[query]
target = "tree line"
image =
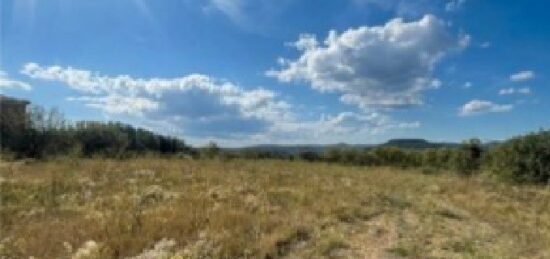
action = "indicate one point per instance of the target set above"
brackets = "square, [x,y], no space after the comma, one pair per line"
[48,133]
[521,159]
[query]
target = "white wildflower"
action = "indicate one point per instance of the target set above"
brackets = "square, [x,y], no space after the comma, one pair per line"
[90,250]
[163,249]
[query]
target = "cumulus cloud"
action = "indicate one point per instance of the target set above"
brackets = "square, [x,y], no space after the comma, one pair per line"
[350,122]
[116,104]
[379,66]
[195,102]
[6,82]
[201,107]
[522,76]
[476,107]
[343,124]
[509,91]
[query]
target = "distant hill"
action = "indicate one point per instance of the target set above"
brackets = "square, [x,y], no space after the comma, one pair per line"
[295,149]
[416,144]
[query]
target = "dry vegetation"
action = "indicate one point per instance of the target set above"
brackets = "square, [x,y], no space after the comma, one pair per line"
[176,208]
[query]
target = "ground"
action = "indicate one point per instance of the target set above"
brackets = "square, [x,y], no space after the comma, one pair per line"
[181,208]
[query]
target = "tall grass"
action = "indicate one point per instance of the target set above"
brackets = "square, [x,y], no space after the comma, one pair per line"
[101,208]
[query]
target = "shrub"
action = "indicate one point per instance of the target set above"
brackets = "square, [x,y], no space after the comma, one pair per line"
[393,156]
[467,159]
[350,156]
[523,159]
[308,156]
[332,155]
[368,158]
[210,151]
[437,158]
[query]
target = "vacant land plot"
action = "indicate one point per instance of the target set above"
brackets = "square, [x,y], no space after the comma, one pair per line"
[174,208]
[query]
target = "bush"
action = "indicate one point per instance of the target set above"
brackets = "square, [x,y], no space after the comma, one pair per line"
[523,159]
[438,158]
[467,159]
[393,156]
[332,155]
[211,150]
[308,156]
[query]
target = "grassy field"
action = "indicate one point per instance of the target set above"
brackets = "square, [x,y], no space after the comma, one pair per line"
[175,208]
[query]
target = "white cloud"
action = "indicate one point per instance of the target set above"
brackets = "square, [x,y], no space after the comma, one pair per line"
[412,8]
[522,76]
[197,102]
[232,8]
[250,15]
[454,5]
[524,90]
[379,66]
[116,104]
[401,8]
[6,82]
[467,85]
[506,91]
[485,45]
[509,91]
[201,107]
[476,107]
[343,124]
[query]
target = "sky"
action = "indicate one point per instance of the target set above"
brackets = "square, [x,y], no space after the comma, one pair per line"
[246,72]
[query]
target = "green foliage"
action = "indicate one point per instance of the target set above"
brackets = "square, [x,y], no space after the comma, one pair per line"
[398,157]
[49,134]
[523,159]
[467,159]
[210,151]
[308,156]
[98,138]
[254,154]
[43,133]
[332,155]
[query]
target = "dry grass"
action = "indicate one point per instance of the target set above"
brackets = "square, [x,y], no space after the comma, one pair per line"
[170,208]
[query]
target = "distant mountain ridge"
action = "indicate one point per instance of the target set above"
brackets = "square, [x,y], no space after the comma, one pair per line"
[295,149]
[417,144]
[317,148]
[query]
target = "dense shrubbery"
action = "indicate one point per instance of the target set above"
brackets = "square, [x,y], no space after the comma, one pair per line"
[465,159]
[468,157]
[49,134]
[522,159]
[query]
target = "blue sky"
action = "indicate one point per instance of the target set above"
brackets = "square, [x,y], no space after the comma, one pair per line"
[244,72]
